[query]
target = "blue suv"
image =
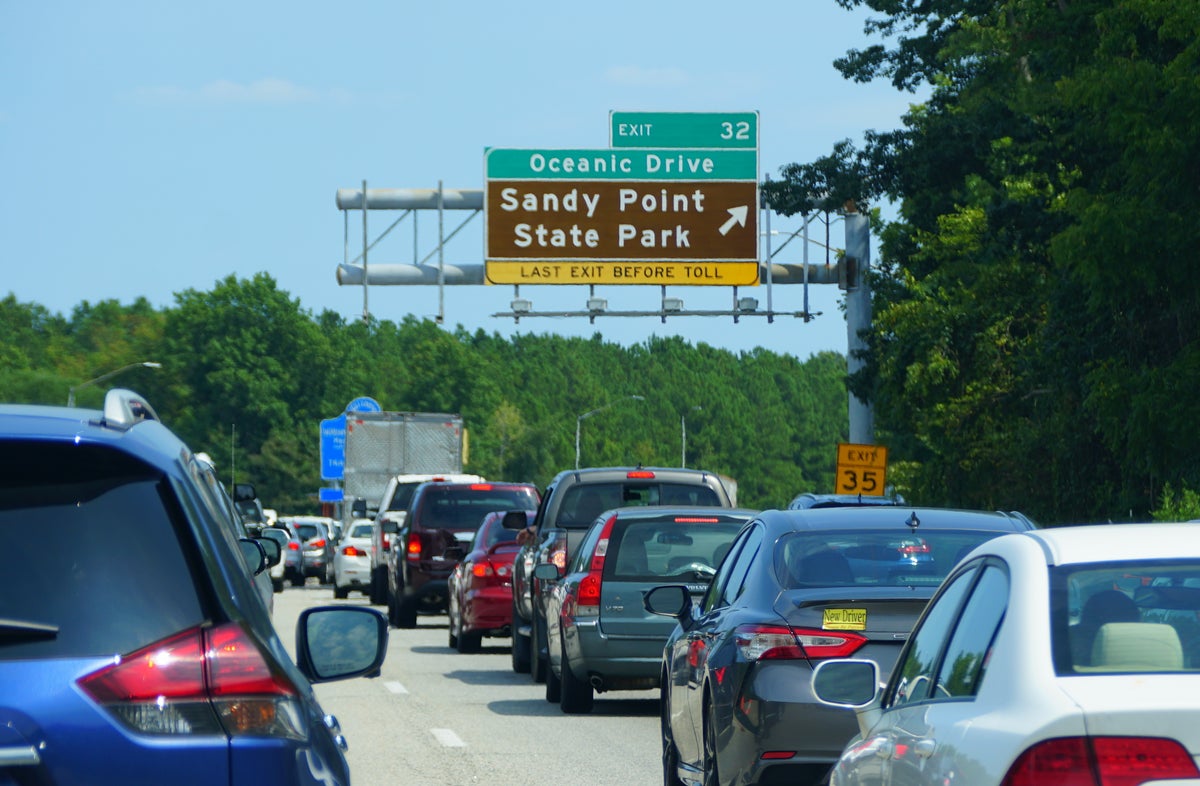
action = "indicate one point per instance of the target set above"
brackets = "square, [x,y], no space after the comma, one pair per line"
[135,646]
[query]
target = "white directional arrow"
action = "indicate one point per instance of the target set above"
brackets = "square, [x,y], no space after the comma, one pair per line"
[737,215]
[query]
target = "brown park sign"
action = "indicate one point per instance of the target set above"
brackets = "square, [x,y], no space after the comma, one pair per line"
[605,217]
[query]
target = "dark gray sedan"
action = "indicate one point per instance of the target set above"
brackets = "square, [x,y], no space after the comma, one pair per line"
[797,587]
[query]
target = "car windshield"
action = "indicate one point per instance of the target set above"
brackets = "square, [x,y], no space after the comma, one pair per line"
[361,531]
[1126,617]
[666,548]
[872,557]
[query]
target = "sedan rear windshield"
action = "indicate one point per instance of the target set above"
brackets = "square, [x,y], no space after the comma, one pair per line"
[872,557]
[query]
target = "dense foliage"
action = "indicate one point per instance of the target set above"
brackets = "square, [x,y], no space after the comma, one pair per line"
[248,374]
[1036,310]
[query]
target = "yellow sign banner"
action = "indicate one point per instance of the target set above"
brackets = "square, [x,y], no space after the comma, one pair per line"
[730,274]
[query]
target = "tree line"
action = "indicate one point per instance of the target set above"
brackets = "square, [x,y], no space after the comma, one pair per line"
[247,374]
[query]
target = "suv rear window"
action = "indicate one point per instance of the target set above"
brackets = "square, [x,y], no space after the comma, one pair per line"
[582,503]
[463,507]
[88,536]
[652,550]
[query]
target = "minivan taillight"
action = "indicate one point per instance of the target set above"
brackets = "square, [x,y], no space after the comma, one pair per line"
[1111,761]
[201,681]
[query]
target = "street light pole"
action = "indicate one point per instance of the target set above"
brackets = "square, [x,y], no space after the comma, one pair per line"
[102,377]
[579,420]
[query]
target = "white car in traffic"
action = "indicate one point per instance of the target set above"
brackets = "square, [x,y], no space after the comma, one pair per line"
[1065,655]
[352,559]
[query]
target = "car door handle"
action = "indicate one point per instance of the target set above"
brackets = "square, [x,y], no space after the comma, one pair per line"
[924,748]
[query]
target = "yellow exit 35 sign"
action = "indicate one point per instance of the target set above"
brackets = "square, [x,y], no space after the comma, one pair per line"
[861,469]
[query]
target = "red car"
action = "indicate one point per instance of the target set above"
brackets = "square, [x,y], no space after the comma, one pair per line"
[480,587]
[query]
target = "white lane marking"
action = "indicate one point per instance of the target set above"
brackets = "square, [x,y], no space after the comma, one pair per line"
[448,738]
[395,687]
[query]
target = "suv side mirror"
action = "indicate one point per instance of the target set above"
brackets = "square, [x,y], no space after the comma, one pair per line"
[243,492]
[359,508]
[272,548]
[515,519]
[255,554]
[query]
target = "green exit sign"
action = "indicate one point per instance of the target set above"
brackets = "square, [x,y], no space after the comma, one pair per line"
[738,130]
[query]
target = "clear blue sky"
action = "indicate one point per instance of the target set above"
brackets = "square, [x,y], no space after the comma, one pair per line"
[149,147]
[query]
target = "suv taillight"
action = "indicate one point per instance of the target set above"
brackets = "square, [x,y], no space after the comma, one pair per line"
[1111,761]
[780,642]
[201,681]
[413,552]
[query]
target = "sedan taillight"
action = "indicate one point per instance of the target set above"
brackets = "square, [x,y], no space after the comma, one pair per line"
[1101,761]
[780,642]
[201,681]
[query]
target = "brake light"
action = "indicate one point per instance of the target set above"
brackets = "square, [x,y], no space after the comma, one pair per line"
[696,520]
[201,681]
[1101,761]
[319,543]
[640,474]
[588,601]
[483,569]
[481,487]
[910,549]
[293,545]
[414,547]
[353,551]
[780,642]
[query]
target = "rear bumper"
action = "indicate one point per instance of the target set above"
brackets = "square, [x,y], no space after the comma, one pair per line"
[487,609]
[776,711]
[619,663]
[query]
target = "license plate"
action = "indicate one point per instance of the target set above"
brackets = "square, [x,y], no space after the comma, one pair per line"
[844,619]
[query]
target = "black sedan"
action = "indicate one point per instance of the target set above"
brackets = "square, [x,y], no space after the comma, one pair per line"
[797,586]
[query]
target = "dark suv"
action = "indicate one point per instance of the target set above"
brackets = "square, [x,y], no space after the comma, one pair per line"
[570,503]
[137,649]
[438,528]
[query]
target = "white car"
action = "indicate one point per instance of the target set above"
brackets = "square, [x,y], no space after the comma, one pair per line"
[352,559]
[1065,656]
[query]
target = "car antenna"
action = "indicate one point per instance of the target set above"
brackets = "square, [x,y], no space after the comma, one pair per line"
[913,522]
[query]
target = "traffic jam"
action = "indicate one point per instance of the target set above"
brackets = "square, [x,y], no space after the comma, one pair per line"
[839,639]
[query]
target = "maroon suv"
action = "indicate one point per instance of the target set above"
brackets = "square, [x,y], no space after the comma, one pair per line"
[441,521]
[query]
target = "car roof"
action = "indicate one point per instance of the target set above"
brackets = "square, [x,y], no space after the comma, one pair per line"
[614,473]
[813,500]
[898,516]
[665,511]
[113,426]
[1117,542]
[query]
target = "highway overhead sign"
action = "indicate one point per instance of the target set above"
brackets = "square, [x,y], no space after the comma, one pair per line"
[611,216]
[725,130]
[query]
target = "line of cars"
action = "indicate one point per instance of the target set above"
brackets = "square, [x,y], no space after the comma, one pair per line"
[845,641]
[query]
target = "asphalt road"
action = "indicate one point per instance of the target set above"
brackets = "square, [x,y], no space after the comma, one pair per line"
[438,717]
